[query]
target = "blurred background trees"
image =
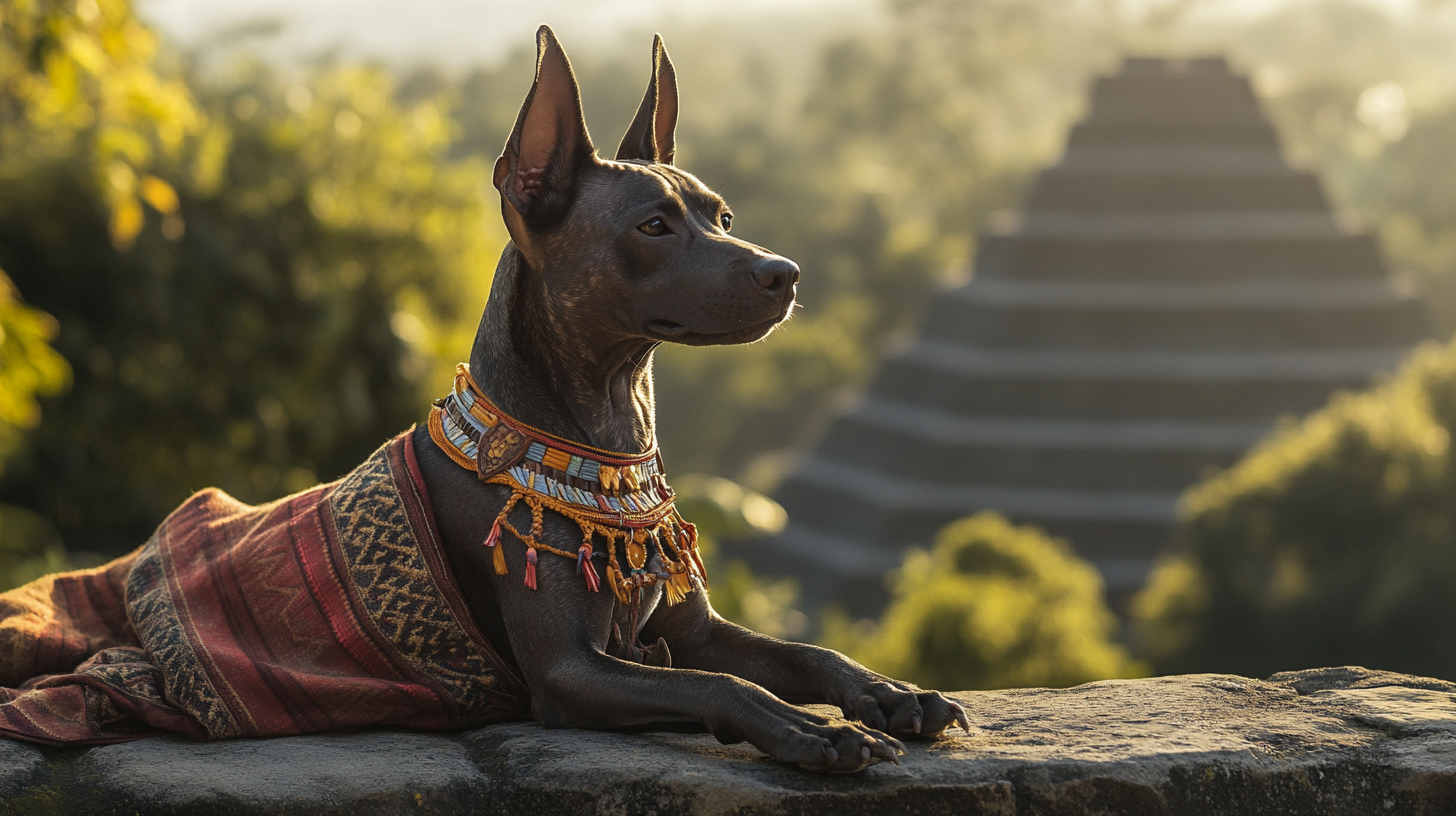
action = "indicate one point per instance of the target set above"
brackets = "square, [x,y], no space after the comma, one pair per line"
[1330,544]
[29,368]
[259,272]
[991,605]
[267,305]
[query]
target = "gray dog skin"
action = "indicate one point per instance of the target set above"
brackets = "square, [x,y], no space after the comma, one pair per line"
[608,259]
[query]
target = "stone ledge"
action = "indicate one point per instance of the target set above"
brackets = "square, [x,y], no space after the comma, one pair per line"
[1325,741]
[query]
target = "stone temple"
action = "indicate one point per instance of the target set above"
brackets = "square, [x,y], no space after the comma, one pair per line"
[1171,289]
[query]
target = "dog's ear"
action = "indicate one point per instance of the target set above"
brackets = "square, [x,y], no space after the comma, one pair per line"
[537,172]
[650,138]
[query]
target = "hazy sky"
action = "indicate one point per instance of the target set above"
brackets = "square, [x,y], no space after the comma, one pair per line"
[457,32]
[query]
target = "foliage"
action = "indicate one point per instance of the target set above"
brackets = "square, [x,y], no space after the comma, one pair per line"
[1376,123]
[30,547]
[29,367]
[77,79]
[723,510]
[1329,544]
[300,318]
[992,605]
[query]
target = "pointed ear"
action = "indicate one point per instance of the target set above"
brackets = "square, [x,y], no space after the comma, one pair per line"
[650,138]
[537,172]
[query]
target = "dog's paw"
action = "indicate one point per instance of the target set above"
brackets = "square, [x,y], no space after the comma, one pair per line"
[904,710]
[836,747]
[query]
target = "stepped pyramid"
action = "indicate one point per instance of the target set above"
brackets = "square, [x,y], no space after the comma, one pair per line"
[1172,288]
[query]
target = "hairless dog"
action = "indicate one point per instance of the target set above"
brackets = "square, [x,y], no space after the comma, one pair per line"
[608,259]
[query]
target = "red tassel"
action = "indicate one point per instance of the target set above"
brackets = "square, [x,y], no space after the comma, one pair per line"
[531,568]
[584,566]
[592,582]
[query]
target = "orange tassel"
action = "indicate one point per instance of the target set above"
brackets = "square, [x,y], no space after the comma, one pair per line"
[498,554]
[531,568]
[677,588]
[614,577]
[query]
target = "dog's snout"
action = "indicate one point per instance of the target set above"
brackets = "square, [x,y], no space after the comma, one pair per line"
[776,275]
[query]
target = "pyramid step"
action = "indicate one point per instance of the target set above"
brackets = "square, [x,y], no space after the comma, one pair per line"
[1298,295]
[1197,227]
[1177,159]
[916,443]
[1190,366]
[1223,94]
[930,426]
[1220,134]
[852,500]
[1069,190]
[994,384]
[1099,325]
[1070,258]
[1199,112]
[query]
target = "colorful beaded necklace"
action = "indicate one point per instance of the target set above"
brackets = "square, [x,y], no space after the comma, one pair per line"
[607,494]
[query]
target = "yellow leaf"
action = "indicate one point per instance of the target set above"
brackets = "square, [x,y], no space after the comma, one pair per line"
[126,223]
[121,177]
[159,194]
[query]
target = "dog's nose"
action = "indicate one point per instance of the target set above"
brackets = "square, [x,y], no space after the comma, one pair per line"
[776,275]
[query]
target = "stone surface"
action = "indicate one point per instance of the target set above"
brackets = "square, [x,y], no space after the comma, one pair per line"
[1328,742]
[1170,289]
[20,764]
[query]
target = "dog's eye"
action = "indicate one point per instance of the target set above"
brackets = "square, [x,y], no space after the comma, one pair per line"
[654,227]
[727,221]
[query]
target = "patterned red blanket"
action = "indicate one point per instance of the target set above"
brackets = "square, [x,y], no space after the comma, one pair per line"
[329,609]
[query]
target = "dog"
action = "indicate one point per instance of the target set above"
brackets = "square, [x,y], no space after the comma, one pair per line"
[393,597]
[608,259]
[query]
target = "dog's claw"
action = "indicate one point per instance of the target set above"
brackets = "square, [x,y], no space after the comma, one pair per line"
[915,722]
[864,751]
[831,755]
[960,717]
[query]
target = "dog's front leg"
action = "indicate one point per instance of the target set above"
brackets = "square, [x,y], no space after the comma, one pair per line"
[799,672]
[559,634]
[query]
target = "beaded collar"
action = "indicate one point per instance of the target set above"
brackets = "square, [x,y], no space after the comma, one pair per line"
[611,496]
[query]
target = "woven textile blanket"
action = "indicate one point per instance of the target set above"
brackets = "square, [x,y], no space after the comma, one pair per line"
[332,608]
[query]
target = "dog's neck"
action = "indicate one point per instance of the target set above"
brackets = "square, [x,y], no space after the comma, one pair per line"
[538,366]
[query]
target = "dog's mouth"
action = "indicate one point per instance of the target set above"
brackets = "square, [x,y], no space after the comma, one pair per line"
[666,329]
[672,331]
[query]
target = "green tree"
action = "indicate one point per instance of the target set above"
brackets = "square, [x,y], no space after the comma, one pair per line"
[77,79]
[991,605]
[29,368]
[306,261]
[330,259]
[1331,543]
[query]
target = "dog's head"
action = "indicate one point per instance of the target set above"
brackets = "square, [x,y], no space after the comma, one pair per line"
[634,246]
